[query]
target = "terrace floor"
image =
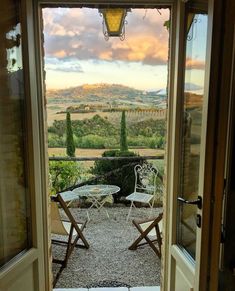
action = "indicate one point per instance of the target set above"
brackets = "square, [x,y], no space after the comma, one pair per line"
[108,262]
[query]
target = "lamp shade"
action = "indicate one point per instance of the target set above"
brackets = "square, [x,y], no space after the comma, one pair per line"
[114,20]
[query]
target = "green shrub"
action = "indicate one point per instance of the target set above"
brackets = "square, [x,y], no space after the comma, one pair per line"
[137,141]
[58,127]
[63,174]
[111,142]
[152,143]
[124,178]
[92,141]
[160,142]
[55,141]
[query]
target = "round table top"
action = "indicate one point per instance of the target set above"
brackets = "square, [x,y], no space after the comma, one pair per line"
[96,190]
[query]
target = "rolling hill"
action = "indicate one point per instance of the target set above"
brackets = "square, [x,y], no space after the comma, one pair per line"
[101,93]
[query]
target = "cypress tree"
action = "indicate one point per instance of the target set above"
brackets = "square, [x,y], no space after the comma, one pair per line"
[69,138]
[123,138]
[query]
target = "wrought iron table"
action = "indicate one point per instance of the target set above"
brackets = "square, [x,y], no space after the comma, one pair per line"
[96,193]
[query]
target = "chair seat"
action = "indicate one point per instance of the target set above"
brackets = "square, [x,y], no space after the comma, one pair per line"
[140,197]
[67,226]
[152,232]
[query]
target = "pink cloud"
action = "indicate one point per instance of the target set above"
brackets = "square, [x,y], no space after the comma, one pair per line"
[194,64]
[78,33]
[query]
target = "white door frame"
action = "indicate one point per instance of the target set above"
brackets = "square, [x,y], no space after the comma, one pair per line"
[175,74]
[40,254]
[73,3]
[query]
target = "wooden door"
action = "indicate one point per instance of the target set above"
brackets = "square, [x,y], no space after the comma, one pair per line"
[188,142]
[23,203]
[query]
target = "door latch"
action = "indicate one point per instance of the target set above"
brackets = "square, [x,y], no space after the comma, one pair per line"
[199,220]
[197,202]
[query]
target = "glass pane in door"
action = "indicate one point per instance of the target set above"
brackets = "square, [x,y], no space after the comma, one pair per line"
[14,234]
[196,39]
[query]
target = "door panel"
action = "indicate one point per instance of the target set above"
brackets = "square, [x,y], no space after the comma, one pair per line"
[192,148]
[14,199]
[24,282]
[23,232]
[187,145]
[181,281]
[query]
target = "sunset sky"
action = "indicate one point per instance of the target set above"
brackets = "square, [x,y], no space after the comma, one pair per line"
[76,52]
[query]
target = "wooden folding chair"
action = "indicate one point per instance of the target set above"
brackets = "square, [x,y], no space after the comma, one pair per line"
[69,228]
[150,231]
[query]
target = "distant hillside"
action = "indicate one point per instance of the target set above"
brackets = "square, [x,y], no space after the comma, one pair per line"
[101,93]
[193,100]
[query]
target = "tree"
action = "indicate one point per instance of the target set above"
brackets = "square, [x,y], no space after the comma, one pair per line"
[69,138]
[123,139]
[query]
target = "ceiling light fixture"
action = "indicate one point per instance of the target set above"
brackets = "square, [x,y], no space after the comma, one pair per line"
[114,22]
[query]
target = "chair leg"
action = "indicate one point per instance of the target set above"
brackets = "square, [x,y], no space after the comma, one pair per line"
[58,276]
[88,216]
[136,244]
[144,236]
[69,246]
[129,213]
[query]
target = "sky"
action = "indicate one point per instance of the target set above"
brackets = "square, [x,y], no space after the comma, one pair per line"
[196,55]
[76,52]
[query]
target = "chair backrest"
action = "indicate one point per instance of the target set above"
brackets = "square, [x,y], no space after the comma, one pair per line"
[145,178]
[67,196]
[57,226]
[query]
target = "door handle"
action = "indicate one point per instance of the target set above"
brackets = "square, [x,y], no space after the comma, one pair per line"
[197,202]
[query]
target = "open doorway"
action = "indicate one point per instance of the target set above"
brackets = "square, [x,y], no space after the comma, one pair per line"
[114,95]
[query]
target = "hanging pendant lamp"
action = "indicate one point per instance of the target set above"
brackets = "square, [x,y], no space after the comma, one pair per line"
[114,22]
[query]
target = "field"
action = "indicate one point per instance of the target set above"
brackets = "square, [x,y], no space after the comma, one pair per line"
[98,152]
[88,153]
[52,115]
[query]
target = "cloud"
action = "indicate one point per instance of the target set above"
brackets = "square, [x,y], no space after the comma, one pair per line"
[64,66]
[194,64]
[77,34]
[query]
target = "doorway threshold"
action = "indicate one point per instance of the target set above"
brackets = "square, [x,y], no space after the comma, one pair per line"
[149,288]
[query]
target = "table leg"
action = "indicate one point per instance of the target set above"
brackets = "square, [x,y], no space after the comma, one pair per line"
[88,216]
[98,205]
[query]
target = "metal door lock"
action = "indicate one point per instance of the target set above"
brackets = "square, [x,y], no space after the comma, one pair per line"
[199,220]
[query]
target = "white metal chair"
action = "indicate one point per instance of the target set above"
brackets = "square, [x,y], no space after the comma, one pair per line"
[145,186]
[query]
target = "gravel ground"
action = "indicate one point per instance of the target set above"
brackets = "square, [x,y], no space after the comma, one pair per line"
[108,258]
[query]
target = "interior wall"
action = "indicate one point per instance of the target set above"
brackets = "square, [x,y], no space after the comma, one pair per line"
[227,272]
